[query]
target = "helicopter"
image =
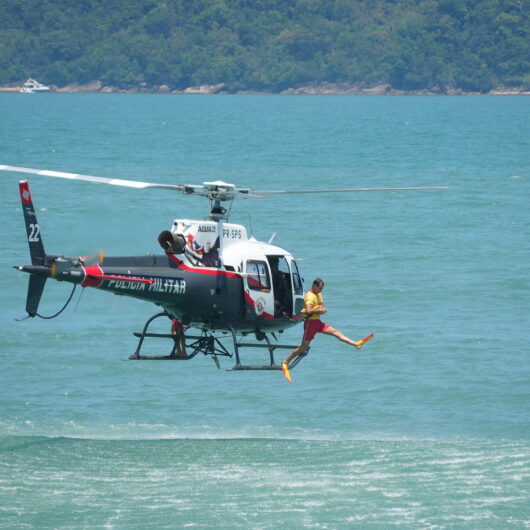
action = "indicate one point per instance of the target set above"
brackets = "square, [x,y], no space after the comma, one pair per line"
[212,277]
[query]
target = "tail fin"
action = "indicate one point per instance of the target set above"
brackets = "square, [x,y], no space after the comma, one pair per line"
[35,289]
[36,248]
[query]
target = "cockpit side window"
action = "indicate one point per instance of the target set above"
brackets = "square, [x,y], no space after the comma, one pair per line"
[258,276]
[297,280]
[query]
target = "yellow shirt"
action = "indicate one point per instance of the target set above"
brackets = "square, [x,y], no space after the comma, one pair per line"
[313,300]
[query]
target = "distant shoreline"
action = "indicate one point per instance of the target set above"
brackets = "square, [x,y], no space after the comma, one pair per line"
[97,87]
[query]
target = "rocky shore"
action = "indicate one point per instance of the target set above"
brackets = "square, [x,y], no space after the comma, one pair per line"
[324,88]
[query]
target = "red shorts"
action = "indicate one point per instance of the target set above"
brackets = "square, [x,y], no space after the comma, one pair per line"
[312,327]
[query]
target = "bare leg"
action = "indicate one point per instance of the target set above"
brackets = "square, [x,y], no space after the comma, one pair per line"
[178,351]
[297,351]
[182,342]
[336,333]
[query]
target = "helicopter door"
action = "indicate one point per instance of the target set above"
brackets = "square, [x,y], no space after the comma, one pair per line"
[282,288]
[298,289]
[259,287]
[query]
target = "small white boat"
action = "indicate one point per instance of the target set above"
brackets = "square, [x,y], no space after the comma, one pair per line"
[31,87]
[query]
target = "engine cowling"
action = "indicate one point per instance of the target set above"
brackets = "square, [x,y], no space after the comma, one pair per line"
[172,243]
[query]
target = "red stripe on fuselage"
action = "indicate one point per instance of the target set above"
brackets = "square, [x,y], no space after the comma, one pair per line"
[212,272]
[123,278]
[252,304]
[91,273]
[248,299]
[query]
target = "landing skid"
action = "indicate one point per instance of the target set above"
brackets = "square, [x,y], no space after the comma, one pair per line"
[208,344]
[271,347]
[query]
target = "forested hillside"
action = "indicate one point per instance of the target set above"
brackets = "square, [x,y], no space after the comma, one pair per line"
[268,45]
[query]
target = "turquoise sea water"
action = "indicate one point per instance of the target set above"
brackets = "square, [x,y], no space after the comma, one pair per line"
[428,426]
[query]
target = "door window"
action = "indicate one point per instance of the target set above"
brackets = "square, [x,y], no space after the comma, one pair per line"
[258,278]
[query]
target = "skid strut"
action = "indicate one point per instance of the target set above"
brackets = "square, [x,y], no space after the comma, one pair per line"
[143,334]
[270,346]
[208,344]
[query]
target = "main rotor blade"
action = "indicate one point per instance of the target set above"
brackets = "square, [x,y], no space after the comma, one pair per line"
[279,192]
[200,190]
[90,178]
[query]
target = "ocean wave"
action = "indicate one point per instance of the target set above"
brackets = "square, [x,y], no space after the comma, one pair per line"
[158,431]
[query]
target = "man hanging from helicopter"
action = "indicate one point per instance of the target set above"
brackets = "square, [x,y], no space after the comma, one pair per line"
[313,309]
[177,330]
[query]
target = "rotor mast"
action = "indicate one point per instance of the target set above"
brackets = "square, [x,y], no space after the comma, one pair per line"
[217,193]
